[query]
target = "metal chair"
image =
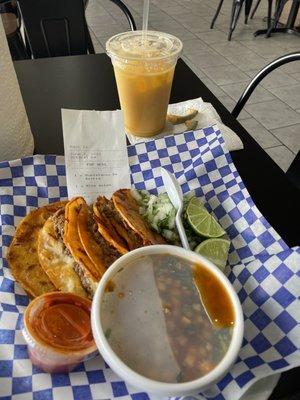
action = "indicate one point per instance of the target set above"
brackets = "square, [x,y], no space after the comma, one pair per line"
[255,9]
[11,24]
[58,27]
[272,23]
[235,13]
[289,28]
[125,10]
[269,17]
[127,13]
[293,172]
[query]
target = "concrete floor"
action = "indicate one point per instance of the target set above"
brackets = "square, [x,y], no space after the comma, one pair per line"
[272,115]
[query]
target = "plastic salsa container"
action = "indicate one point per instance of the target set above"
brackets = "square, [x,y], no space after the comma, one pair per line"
[57,329]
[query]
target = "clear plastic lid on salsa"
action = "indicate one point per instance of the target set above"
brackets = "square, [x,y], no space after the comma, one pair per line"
[57,329]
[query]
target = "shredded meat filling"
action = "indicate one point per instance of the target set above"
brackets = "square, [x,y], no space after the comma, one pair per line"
[86,283]
[132,240]
[110,254]
[59,221]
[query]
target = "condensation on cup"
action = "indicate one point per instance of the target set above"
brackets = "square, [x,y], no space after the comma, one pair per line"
[144,69]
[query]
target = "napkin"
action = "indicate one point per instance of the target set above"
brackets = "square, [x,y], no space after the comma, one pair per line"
[262,268]
[207,116]
[16,139]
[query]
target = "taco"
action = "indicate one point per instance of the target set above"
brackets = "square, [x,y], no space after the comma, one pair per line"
[22,255]
[56,260]
[84,267]
[111,227]
[96,247]
[128,209]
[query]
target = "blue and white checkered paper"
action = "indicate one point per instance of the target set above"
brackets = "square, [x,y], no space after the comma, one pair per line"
[263,270]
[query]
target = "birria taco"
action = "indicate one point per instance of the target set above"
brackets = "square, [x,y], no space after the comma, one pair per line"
[91,261]
[22,254]
[56,260]
[121,224]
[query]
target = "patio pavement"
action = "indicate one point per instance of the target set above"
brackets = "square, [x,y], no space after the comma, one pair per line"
[272,115]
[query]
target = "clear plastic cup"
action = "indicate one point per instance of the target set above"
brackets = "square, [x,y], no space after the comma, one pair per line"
[144,68]
[58,332]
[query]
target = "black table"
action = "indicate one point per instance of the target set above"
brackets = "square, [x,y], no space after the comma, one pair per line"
[87,82]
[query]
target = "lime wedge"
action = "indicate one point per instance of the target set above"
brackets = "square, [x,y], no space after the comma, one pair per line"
[201,221]
[215,250]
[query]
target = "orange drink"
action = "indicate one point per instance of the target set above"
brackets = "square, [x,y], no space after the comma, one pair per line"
[144,68]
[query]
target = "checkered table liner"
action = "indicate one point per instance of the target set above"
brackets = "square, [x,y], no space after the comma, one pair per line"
[263,270]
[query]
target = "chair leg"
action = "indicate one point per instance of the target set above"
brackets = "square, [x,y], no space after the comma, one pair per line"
[270,6]
[216,14]
[277,15]
[248,5]
[235,13]
[281,4]
[255,9]
[281,9]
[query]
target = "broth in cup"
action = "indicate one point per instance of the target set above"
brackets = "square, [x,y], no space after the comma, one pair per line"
[168,319]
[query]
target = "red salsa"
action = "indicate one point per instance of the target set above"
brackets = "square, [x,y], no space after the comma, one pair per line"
[57,328]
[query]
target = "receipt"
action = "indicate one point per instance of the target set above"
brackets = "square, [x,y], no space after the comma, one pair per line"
[95,153]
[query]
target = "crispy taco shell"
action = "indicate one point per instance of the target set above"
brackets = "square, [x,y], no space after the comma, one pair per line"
[128,208]
[58,265]
[22,254]
[86,270]
[101,254]
[109,226]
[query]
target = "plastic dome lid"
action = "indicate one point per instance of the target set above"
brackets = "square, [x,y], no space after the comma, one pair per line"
[135,45]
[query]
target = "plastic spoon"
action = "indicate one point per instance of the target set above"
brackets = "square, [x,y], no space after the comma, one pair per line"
[176,198]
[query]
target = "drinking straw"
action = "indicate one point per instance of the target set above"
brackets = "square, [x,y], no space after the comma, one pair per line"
[145,19]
